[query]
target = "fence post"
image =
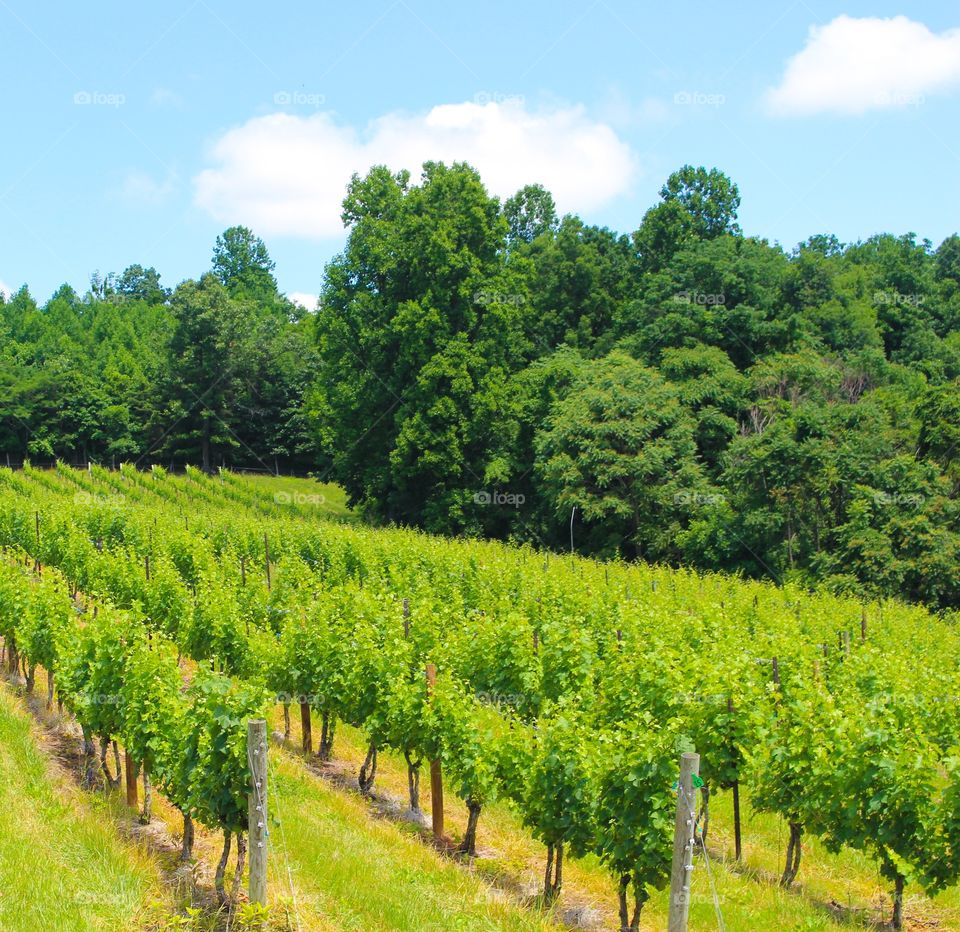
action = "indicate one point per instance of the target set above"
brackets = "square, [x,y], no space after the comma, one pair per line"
[436,774]
[257,809]
[683,844]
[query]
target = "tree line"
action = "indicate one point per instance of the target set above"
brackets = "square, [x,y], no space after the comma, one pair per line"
[211,372]
[683,394]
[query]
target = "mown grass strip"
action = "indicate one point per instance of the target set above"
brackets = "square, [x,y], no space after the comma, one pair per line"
[63,864]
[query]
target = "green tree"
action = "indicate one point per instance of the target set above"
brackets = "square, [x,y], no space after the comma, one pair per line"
[620,448]
[419,329]
[243,266]
[211,354]
[530,213]
[694,204]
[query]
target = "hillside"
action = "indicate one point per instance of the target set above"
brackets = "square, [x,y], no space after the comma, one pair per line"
[516,636]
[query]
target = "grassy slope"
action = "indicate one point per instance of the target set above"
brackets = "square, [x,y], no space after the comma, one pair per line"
[343,870]
[63,864]
[367,874]
[748,895]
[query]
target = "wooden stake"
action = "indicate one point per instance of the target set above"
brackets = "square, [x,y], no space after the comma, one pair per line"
[863,625]
[738,848]
[307,728]
[683,843]
[257,809]
[406,619]
[130,768]
[266,551]
[436,775]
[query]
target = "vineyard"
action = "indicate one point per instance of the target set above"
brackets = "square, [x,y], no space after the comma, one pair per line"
[554,694]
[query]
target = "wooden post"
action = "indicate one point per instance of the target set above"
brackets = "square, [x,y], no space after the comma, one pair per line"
[266,551]
[130,769]
[863,625]
[306,727]
[146,566]
[737,844]
[257,809]
[406,619]
[436,775]
[243,571]
[683,842]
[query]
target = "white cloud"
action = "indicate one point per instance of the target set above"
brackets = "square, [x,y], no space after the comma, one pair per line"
[287,174]
[854,65]
[140,188]
[5,289]
[304,299]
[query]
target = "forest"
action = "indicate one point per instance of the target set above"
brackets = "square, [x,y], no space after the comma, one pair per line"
[683,394]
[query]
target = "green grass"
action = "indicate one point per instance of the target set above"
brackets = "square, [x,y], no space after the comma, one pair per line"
[354,872]
[63,865]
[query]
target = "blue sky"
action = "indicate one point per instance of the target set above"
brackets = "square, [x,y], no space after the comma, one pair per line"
[136,133]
